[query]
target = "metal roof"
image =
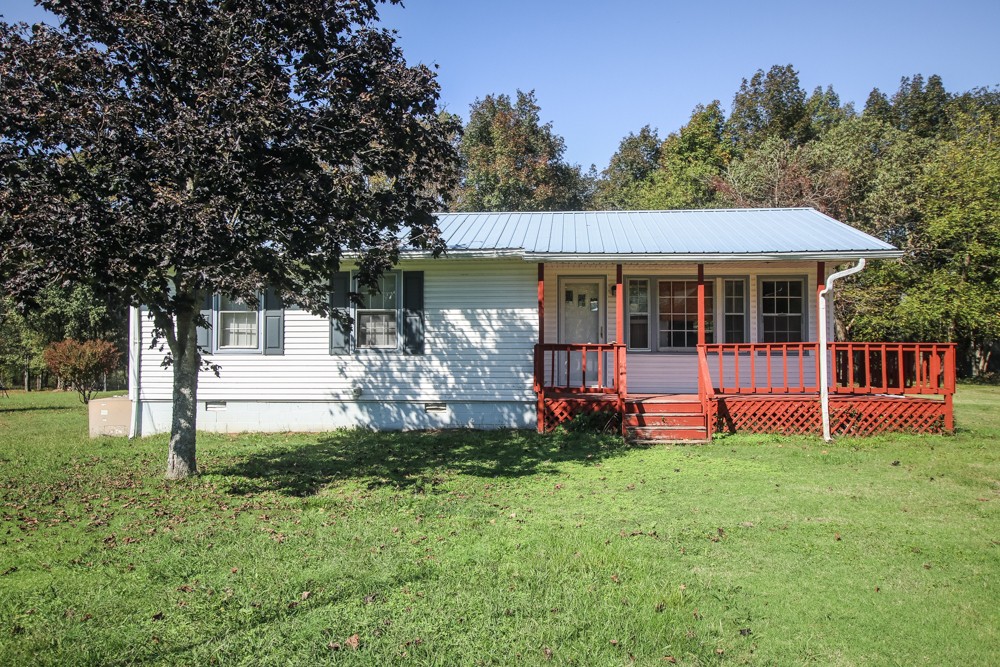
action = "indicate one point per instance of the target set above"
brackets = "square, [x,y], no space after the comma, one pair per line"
[713,234]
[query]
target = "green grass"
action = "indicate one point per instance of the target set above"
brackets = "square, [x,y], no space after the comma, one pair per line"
[472,548]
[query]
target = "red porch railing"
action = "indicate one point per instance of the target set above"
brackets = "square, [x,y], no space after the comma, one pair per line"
[575,373]
[706,392]
[893,368]
[764,368]
[583,368]
[857,368]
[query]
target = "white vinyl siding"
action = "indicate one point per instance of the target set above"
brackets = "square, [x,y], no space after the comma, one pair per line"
[481,325]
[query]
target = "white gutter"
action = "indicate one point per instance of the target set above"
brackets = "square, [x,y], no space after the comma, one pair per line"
[824,366]
[134,358]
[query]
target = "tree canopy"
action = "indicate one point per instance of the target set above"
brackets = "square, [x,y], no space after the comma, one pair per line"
[514,162]
[173,150]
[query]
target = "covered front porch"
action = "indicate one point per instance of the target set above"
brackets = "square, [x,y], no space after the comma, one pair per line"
[719,353]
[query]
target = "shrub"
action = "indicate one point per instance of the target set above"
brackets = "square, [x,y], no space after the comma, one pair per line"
[82,364]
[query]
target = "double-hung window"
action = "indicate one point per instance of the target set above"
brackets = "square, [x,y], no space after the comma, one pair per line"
[377,318]
[735,310]
[678,313]
[237,325]
[638,314]
[782,304]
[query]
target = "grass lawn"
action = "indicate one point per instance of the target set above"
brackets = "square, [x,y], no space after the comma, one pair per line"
[472,548]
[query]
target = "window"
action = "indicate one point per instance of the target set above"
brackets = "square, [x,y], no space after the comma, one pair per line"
[238,325]
[678,313]
[377,319]
[638,314]
[782,305]
[735,311]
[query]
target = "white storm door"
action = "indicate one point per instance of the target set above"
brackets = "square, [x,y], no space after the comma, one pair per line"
[582,321]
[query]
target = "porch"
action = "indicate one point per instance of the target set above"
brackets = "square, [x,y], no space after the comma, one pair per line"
[760,387]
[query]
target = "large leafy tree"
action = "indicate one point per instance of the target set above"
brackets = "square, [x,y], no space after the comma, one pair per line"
[514,162]
[172,149]
[691,159]
[630,168]
[768,105]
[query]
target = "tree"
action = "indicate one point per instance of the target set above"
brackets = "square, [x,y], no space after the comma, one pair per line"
[691,159]
[630,168]
[171,150]
[956,295]
[514,162]
[770,104]
[921,108]
[82,364]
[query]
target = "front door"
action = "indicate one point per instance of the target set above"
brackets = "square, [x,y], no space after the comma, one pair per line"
[582,321]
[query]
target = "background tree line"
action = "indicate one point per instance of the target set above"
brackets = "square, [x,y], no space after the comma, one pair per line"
[919,168]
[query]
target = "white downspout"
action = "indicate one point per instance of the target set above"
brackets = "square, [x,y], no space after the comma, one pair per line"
[134,358]
[824,366]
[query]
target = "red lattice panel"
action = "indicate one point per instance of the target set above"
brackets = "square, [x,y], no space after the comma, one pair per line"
[786,416]
[849,415]
[559,410]
[869,415]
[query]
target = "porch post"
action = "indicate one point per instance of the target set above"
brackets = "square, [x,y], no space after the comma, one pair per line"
[539,355]
[541,302]
[701,304]
[820,285]
[619,308]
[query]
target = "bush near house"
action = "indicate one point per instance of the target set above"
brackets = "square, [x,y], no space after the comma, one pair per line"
[81,365]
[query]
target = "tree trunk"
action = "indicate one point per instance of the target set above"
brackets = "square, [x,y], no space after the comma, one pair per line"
[181,456]
[27,383]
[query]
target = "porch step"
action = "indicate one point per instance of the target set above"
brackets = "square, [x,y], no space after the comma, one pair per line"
[667,434]
[662,405]
[661,419]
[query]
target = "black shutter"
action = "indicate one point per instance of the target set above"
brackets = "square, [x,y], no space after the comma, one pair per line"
[205,333]
[340,334]
[274,322]
[413,312]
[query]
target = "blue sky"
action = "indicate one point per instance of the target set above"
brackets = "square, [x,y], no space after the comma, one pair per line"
[603,69]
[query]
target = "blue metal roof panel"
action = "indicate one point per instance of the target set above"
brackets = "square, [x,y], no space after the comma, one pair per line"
[725,231]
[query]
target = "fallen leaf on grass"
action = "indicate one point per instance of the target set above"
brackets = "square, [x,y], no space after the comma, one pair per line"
[353,642]
[547,652]
[305,595]
[746,632]
[671,659]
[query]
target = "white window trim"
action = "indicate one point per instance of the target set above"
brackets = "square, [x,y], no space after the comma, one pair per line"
[806,302]
[650,314]
[355,311]
[217,329]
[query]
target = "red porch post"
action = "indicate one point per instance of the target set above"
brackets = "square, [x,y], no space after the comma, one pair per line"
[820,354]
[701,304]
[619,308]
[619,350]
[541,302]
[539,358]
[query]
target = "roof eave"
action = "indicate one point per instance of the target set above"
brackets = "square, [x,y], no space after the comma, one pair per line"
[802,256]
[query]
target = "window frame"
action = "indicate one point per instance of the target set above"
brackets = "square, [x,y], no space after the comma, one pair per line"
[713,310]
[723,313]
[356,313]
[217,347]
[806,304]
[626,283]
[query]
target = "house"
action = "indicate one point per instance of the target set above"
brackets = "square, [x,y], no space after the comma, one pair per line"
[679,322]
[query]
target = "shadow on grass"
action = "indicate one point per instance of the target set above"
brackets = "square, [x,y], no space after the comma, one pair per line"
[39,408]
[418,461]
